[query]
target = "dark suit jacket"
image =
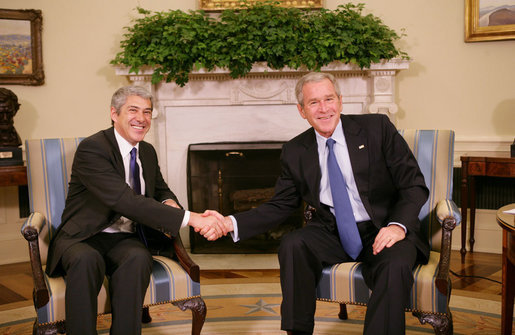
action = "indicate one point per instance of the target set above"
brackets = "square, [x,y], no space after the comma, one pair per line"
[98,195]
[389,181]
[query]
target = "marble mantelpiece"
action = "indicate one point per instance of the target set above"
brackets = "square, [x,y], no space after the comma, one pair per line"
[213,107]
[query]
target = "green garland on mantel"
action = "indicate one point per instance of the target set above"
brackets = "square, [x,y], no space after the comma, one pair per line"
[175,43]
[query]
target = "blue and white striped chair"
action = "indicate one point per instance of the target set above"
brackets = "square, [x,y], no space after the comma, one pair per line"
[343,283]
[173,281]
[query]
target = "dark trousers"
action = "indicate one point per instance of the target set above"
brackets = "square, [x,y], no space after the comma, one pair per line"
[302,256]
[128,265]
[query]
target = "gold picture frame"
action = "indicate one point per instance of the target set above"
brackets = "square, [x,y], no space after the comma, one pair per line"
[218,5]
[478,20]
[21,60]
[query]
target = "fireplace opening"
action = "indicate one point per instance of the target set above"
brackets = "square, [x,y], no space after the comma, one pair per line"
[232,177]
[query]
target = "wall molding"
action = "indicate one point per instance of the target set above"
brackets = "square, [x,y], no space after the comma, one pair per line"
[481,146]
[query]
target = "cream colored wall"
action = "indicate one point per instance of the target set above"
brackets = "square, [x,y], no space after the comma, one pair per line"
[450,83]
[476,97]
[79,40]
[464,86]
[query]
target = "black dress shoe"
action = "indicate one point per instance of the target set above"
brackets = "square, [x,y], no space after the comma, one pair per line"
[297,332]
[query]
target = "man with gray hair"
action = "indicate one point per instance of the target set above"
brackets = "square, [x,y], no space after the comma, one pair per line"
[118,208]
[365,190]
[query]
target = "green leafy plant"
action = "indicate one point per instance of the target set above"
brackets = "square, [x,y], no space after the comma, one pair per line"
[175,43]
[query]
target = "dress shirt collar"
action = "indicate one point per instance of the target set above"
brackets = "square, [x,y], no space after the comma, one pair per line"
[124,146]
[337,136]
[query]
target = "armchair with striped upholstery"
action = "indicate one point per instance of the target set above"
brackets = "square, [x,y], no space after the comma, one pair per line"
[173,281]
[343,283]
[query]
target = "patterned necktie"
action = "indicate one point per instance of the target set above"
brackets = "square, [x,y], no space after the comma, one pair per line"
[345,221]
[136,186]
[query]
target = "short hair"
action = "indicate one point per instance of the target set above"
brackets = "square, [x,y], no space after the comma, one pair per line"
[314,77]
[120,96]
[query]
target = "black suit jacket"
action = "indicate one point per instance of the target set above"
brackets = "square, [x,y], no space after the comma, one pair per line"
[388,178]
[98,195]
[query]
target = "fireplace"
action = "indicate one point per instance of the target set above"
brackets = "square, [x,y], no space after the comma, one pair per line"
[215,108]
[233,177]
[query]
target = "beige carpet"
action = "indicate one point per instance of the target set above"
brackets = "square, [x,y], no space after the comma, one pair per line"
[254,309]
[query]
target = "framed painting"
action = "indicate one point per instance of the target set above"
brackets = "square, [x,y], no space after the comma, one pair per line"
[489,20]
[21,61]
[217,5]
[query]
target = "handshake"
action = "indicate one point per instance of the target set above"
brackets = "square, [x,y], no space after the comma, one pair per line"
[211,224]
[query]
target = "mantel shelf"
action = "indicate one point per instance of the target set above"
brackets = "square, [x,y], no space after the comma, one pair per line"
[261,68]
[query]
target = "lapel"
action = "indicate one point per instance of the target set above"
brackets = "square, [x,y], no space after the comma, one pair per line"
[117,156]
[144,158]
[357,145]
[310,165]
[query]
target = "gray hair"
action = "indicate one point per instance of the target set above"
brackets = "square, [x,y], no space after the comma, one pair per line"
[314,77]
[120,96]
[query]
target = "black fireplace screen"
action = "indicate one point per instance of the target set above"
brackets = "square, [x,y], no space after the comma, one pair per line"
[230,178]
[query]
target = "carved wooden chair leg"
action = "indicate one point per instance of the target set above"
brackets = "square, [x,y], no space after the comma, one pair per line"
[145,316]
[442,323]
[343,312]
[198,309]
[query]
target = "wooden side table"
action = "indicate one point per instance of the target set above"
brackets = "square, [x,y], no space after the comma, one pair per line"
[13,175]
[470,168]
[16,176]
[507,222]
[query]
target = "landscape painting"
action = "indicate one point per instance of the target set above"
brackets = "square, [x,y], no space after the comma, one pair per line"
[15,47]
[489,20]
[21,60]
[496,12]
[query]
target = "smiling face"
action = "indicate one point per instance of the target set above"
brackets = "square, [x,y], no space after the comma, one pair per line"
[321,106]
[132,120]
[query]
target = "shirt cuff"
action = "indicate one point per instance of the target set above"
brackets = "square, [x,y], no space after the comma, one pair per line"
[185,219]
[234,234]
[400,225]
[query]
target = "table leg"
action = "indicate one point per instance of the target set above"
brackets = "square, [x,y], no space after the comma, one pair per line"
[472,206]
[508,289]
[464,205]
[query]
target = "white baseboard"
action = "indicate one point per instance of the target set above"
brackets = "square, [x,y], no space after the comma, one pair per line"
[488,146]
[13,250]
[487,233]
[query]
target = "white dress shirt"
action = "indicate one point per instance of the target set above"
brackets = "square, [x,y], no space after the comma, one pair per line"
[123,224]
[343,159]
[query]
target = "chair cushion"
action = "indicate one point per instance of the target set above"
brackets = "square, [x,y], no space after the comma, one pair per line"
[168,283]
[344,283]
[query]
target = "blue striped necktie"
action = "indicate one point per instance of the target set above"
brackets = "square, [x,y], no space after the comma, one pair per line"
[345,221]
[136,186]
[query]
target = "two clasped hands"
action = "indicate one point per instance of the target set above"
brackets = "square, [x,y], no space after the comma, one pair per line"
[211,224]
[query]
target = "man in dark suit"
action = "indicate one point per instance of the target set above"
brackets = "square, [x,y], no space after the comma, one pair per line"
[385,189]
[110,198]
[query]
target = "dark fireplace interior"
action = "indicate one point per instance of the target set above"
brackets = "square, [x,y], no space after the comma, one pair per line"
[233,177]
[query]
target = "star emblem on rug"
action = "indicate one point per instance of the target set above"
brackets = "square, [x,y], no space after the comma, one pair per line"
[261,306]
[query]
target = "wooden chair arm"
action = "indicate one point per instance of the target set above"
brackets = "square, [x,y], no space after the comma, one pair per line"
[185,260]
[449,217]
[30,231]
